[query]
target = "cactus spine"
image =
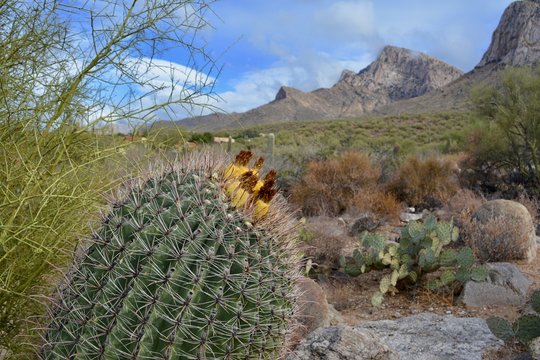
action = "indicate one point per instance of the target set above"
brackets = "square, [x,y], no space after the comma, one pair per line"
[192,263]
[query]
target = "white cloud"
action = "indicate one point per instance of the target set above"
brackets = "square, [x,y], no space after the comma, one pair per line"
[163,77]
[346,20]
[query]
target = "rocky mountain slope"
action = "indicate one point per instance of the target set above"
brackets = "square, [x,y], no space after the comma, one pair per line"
[396,74]
[399,81]
[515,42]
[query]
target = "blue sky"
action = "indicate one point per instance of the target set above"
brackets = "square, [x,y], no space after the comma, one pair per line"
[306,44]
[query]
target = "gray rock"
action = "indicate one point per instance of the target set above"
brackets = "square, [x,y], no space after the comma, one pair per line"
[343,343]
[506,285]
[366,222]
[516,41]
[406,217]
[429,336]
[534,346]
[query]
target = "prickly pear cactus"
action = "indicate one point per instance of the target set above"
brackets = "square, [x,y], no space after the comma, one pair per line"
[525,328]
[421,249]
[195,262]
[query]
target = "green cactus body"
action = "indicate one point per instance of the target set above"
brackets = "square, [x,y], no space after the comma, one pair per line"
[525,328]
[180,270]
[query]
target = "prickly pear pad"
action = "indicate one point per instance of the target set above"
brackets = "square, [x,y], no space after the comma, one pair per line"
[182,269]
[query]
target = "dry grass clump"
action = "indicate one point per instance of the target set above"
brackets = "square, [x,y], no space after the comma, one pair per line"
[350,182]
[383,204]
[495,240]
[340,293]
[324,241]
[531,203]
[461,206]
[427,182]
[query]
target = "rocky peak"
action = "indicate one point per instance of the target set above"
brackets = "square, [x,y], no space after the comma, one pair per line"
[287,92]
[516,40]
[347,74]
[402,74]
[396,74]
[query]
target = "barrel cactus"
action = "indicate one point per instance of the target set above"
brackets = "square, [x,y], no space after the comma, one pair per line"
[197,261]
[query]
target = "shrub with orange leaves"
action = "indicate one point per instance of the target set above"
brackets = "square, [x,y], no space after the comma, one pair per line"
[425,182]
[347,183]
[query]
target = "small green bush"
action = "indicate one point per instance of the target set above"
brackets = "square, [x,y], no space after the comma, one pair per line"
[204,138]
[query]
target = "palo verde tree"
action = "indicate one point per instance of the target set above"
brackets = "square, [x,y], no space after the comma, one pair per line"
[67,67]
[511,141]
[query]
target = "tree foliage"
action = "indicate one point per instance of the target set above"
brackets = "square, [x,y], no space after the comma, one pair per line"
[510,138]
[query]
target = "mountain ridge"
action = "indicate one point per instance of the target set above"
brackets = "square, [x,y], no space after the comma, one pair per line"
[515,42]
[396,74]
[398,81]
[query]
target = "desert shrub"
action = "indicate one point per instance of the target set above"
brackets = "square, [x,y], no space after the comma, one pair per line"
[163,138]
[60,81]
[531,203]
[45,190]
[388,159]
[204,138]
[482,167]
[495,240]
[427,182]
[324,240]
[290,160]
[461,206]
[330,187]
[383,204]
[341,292]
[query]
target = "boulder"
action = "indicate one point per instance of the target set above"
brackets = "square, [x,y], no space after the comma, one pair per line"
[429,336]
[366,222]
[419,337]
[506,285]
[313,307]
[343,343]
[515,233]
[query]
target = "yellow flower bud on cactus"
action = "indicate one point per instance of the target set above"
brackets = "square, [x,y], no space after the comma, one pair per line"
[245,188]
[261,209]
